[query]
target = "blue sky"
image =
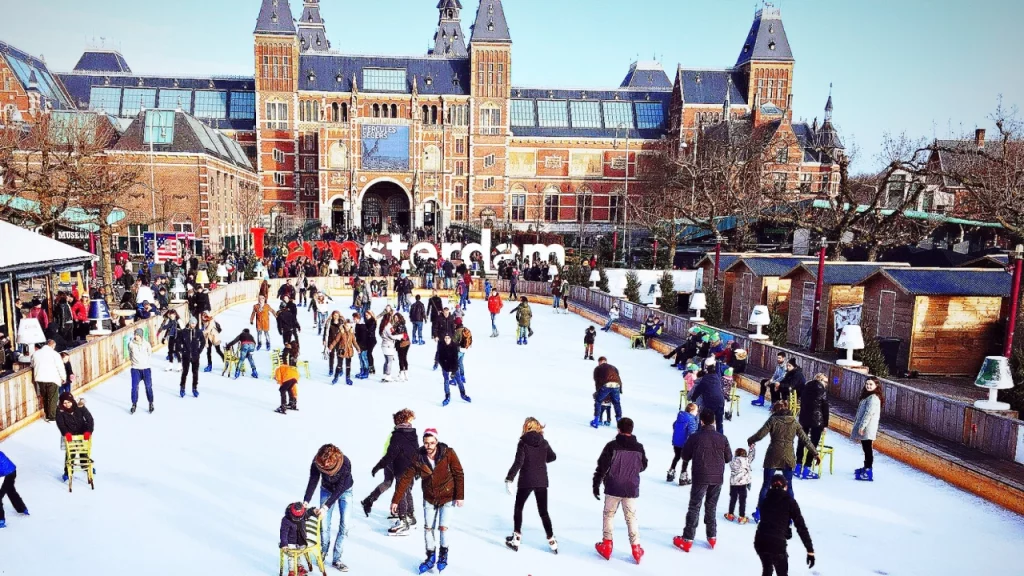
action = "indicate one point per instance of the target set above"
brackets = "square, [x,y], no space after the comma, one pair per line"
[916,66]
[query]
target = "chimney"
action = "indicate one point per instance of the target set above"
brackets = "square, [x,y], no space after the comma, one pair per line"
[979,138]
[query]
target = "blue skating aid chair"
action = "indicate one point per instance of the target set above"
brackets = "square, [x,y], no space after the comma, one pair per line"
[291,558]
[823,451]
[78,457]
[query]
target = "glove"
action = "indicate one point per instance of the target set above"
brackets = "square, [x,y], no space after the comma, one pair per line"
[374,471]
[67,437]
[810,560]
[597,493]
[88,435]
[508,487]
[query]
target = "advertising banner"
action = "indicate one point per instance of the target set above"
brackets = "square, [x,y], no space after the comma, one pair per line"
[385,148]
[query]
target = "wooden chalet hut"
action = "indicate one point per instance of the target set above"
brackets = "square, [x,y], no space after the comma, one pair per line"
[756,281]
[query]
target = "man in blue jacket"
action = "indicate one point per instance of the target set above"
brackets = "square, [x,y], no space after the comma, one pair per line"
[190,344]
[619,468]
[709,388]
[8,471]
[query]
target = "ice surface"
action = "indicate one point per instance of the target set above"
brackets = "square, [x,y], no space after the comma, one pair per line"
[199,487]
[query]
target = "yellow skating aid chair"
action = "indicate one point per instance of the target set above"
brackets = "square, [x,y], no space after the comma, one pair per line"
[275,361]
[231,362]
[823,451]
[78,456]
[682,399]
[734,400]
[291,558]
[304,364]
[794,403]
[638,341]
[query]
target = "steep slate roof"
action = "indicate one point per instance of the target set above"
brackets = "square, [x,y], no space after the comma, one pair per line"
[727,259]
[490,23]
[449,40]
[841,274]
[954,157]
[646,76]
[709,86]
[275,18]
[811,143]
[312,32]
[102,61]
[25,66]
[333,72]
[947,282]
[190,136]
[767,39]
[764,267]
[988,261]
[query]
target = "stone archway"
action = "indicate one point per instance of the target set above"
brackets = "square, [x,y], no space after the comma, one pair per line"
[385,208]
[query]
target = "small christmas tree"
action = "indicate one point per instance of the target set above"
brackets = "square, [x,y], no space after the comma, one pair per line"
[778,330]
[873,358]
[713,313]
[602,283]
[667,283]
[632,291]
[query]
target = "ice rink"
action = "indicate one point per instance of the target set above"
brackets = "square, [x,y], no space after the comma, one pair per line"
[200,486]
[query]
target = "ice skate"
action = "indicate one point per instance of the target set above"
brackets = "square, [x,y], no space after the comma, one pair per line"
[604,548]
[682,543]
[513,541]
[553,544]
[671,476]
[638,553]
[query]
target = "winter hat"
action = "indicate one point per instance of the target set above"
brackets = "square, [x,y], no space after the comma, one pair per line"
[430,432]
[779,480]
[295,511]
[140,332]
[192,321]
[329,459]
[691,367]
[458,321]
[67,397]
[710,361]
[740,354]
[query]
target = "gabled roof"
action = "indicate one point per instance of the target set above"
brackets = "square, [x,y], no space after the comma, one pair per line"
[189,135]
[102,61]
[45,253]
[767,39]
[954,156]
[334,72]
[989,261]
[727,259]
[311,28]
[811,143]
[842,273]
[767,267]
[646,76]
[275,18]
[709,86]
[946,281]
[25,66]
[490,23]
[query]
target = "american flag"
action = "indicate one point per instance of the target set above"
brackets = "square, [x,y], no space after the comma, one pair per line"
[166,247]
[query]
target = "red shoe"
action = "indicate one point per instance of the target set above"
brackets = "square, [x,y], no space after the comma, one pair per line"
[604,548]
[638,553]
[712,542]
[682,543]
[730,517]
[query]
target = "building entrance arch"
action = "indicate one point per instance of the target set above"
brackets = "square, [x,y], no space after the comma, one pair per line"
[386,209]
[339,214]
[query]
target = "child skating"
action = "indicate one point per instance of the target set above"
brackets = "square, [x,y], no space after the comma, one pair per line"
[686,424]
[8,473]
[588,343]
[741,472]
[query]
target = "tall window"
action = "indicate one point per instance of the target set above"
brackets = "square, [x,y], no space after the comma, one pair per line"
[614,211]
[159,127]
[585,201]
[280,179]
[135,99]
[779,181]
[460,146]
[489,183]
[458,115]
[490,120]
[518,207]
[489,161]
[105,100]
[182,99]
[616,113]
[134,240]
[551,207]
[460,191]
[309,111]
[649,115]
[277,116]
[243,106]
[523,114]
[586,114]
[211,104]
[805,183]
[460,212]
[460,168]
[782,156]
[552,113]
[383,80]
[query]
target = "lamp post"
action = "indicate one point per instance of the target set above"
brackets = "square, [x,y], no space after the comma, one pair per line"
[1011,324]
[625,201]
[818,289]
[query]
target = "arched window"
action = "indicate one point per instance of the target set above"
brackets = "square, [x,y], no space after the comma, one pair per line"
[426,114]
[335,113]
[337,156]
[344,112]
[385,111]
[433,115]
[376,110]
[394,111]
[551,204]
[585,204]
[432,159]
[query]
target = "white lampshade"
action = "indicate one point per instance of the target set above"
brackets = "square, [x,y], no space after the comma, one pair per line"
[222,271]
[552,270]
[30,332]
[332,265]
[595,276]
[850,339]
[698,301]
[995,376]
[178,290]
[202,277]
[759,316]
[405,265]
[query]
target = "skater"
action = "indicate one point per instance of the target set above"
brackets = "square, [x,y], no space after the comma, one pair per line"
[780,511]
[533,454]
[389,337]
[740,477]
[288,321]
[434,308]
[794,380]
[333,471]
[709,391]
[607,385]
[261,313]
[417,315]
[556,293]
[9,473]
[619,468]
[710,452]
[359,331]
[513,286]
[49,373]
[448,358]
[399,453]
[494,305]
[169,329]
[319,306]
[369,341]
[523,318]
[464,338]
[443,483]
[865,425]
[190,342]
[287,378]
[140,353]
[211,331]
[686,424]
[589,335]
[402,343]
[613,315]
[344,347]
[813,419]
[780,456]
[444,325]
[606,412]
[293,532]
[487,289]
[247,345]
[73,419]
[330,334]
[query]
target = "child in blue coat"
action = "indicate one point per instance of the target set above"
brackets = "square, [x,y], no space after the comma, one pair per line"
[9,472]
[686,424]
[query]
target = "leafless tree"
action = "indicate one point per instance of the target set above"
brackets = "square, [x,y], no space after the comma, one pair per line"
[250,208]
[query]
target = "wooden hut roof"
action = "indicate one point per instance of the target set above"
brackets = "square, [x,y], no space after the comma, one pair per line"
[947,282]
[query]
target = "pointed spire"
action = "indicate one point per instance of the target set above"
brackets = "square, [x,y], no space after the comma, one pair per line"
[767,40]
[828,105]
[727,106]
[275,18]
[312,30]
[449,41]
[490,23]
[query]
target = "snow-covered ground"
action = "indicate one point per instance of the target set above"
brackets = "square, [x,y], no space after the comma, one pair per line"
[199,487]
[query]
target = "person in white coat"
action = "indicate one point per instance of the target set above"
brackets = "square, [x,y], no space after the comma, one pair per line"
[389,345]
[49,373]
[140,353]
[865,425]
[613,315]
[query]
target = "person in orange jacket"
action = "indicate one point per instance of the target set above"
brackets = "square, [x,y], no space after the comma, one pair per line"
[494,307]
[287,376]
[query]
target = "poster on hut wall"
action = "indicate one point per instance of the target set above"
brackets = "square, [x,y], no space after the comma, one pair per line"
[846,316]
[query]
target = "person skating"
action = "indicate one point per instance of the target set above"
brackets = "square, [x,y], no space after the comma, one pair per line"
[814,412]
[389,338]
[287,378]
[464,338]
[140,354]
[293,532]
[402,344]
[434,307]
[619,468]
[369,341]
[191,342]
[780,511]
[359,330]
[288,321]
[448,358]
[343,347]
[533,454]
[589,336]
[607,384]
[417,315]
[494,305]
[865,425]
[710,452]
[783,429]
[261,313]
[443,483]
[443,325]
[170,328]
[333,471]
[686,424]
[709,391]
[330,333]
[524,315]
[556,293]
[398,456]
[9,473]
[793,381]
[247,345]
[741,476]
[74,419]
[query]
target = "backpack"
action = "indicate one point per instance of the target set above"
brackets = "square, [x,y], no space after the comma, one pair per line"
[467,337]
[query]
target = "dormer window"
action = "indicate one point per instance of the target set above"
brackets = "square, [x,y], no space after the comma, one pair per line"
[429,81]
[273,17]
[771,45]
[490,26]
[311,76]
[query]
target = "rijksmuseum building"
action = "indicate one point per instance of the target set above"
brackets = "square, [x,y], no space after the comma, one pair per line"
[446,137]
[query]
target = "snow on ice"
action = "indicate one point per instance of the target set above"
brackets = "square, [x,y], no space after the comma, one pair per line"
[199,487]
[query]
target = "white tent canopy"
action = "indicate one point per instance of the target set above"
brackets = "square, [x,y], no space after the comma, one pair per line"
[24,250]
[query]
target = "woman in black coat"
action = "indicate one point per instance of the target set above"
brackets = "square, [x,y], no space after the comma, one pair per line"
[401,451]
[73,419]
[814,420]
[532,457]
[777,511]
[369,341]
